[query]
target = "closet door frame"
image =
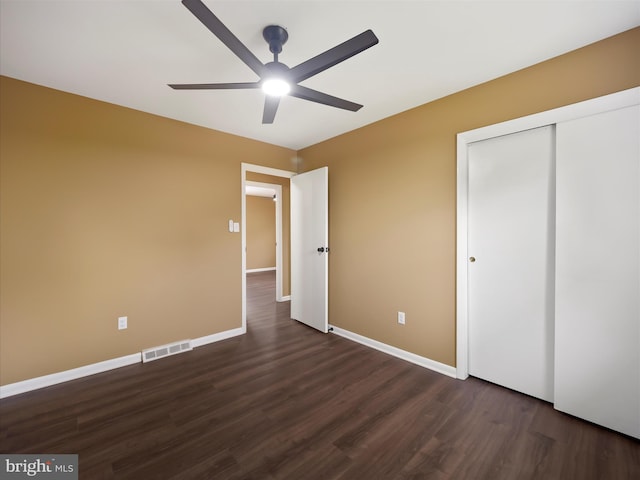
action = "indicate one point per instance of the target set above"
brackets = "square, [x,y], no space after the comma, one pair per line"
[605,103]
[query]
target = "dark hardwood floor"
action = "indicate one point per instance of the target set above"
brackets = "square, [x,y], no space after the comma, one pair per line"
[287,402]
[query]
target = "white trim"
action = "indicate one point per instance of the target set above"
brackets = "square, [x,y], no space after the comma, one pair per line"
[73,374]
[285,298]
[274,172]
[396,352]
[462,327]
[279,265]
[593,106]
[613,101]
[244,168]
[257,270]
[217,337]
[100,367]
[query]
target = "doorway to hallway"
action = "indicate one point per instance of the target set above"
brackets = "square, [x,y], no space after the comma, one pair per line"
[264,313]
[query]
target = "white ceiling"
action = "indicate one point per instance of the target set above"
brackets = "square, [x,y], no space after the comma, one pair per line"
[126,51]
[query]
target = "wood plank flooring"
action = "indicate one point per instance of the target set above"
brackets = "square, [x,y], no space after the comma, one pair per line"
[287,402]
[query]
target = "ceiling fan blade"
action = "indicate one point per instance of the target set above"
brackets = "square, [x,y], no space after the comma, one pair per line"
[333,56]
[305,93]
[218,28]
[214,86]
[270,108]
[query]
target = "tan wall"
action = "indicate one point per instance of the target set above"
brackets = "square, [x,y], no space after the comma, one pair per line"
[261,232]
[286,232]
[107,211]
[392,188]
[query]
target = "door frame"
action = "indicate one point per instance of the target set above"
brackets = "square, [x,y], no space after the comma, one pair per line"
[277,189]
[274,172]
[593,106]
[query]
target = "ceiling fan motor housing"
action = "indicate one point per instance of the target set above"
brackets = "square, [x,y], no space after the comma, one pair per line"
[276,36]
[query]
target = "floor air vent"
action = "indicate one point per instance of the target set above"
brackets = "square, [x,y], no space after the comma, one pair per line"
[165,350]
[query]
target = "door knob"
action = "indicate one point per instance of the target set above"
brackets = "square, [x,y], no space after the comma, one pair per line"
[472,259]
[320,249]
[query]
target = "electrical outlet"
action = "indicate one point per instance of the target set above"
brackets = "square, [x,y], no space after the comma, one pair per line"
[122,323]
[401,318]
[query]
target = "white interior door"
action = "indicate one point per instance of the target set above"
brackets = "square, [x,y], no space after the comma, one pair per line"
[511,239]
[309,248]
[598,269]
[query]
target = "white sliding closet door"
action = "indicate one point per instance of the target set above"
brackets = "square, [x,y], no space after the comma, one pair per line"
[597,359]
[511,265]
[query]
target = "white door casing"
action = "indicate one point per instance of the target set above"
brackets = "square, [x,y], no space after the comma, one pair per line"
[247,167]
[309,248]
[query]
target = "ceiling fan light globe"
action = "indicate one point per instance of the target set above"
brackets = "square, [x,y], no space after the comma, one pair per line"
[276,87]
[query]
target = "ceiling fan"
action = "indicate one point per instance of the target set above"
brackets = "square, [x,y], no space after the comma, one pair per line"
[276,79]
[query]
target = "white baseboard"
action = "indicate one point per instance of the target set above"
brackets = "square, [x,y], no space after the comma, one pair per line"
[216,337]
[65,376]
[397,352]
[267,269]
[75,373]
[286,298]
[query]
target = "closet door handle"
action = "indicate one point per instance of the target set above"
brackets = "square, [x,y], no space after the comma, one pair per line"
[472,259]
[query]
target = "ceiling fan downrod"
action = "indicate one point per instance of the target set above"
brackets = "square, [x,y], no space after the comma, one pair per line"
[276,36]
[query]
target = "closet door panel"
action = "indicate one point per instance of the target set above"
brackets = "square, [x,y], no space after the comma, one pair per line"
[510,280]
[597,317]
